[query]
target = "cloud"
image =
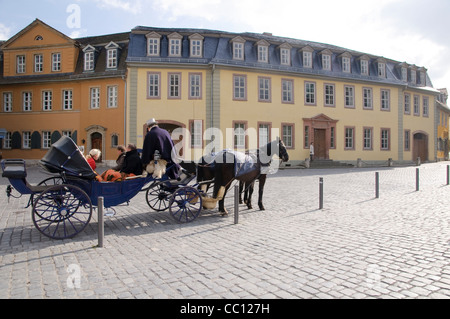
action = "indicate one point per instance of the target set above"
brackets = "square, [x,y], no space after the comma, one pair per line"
[5,32]
[131,6]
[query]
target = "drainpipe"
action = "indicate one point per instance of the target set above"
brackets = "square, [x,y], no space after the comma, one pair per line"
[124,78]
[212,95]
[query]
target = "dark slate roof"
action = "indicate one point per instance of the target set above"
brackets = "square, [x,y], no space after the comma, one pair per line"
[218,50]
[99,43]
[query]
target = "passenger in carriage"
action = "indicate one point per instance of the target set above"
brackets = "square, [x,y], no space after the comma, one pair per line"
[120,160]
[92,157]
[132,166]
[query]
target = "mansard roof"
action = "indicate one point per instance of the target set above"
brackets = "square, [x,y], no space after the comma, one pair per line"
[218,50]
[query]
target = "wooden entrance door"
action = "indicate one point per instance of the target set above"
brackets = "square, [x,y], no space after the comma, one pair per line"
[420,147]
[320,144]
[97,143]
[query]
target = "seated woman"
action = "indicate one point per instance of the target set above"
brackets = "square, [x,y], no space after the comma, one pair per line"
[119,162]
[92,157]
[132,166]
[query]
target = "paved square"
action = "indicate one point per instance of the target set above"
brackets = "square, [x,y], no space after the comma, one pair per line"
[397,246]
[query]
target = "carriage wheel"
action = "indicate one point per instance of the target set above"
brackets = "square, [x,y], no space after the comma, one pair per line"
[46,182]
[186,204]
[158,197]
[62,211]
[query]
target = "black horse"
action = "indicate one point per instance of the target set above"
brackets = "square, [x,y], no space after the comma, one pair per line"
[225,167]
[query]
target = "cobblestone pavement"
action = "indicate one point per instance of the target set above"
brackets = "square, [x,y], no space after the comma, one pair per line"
[397,246]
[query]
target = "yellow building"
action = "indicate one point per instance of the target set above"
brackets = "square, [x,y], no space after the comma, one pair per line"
[254,87]
[52,85]
[443,116]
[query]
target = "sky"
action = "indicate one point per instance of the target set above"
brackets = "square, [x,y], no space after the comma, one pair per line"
[412,31]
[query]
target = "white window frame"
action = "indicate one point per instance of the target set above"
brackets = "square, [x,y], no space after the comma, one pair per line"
[238,51]
[326,62]
[113,96]
[240,87]
[174,85]
[404,74]
[89,61]
[7,102]
[263,54]
[112,58]
[367,98]
[330,94]
[27,101]
[94,97]
[7,142]
[263,134]
[307,59]
[67,96]
[385,140]
[21,64]
[38,63]
[385,100]
[426,106]
[154,85]
[175,41]
[46,139]
[285,56]
[310,93]
[381,69]
[264,89]
[413,76]
[364,67]
[47,100]
[349,138]
[56,62]
[287,88]
[26,140]
[346,65]
[196,128]
[349,96]
[239,136]
[288,135]
[195,86]
[368,138]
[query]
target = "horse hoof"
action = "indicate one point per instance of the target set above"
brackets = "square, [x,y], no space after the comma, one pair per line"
[241,202]
[224,214]
[250,207]
[261,208]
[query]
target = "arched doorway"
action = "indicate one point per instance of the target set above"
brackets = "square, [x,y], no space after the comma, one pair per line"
[420,146]
[97,142]
[96,139]
[170,126]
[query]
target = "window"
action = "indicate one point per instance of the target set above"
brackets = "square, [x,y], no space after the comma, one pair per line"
[287,91]
[238,44]
[112,59]
[364,67]
[239,136]
[288,135]
[346,64]
[67,100]
[7,102]
[307,59]
[196,45]
[56,62]
[114,141]
[306,140]
[195,86]
[38,63]
[112,96]
[285,56]
[407,99]
[26,140]
[368,138]
[385,100]
[413,76]
[349,96]
[404,74]
[153,44]
[67,133]
[263,53]
[381,69]
[153,85]
[174,85]
[329,95]
[416,105]
[367,98]
[196,128]
[89,61]
[310,93]
[175,45]
[47,100]
[240,87]
[332,137]
[423,78]
[46,140]
[349,138]
[264,90]
[21,65]
[263,134]
[426,107]
[385,139]
[95,98]
[407,140]
[7,142]
[326,62]
[27,101]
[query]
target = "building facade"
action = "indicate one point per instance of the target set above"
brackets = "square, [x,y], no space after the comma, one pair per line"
[52,85]
[255,87]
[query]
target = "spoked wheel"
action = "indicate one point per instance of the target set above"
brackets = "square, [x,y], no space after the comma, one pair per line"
[62,211]
[158,197]
[46,182]
[186,204]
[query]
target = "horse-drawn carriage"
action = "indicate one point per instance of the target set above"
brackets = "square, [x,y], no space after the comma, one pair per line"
[63,208]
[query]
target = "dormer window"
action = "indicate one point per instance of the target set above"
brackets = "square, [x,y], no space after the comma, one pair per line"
[89,58]
[263,51]
[381,66]
[175,44]
[423,76]
[112,55]
[307,57]
[153,44]
[364,64]
[196,41]
[238,44]
[326,60]
[404,71]
[285,54]
[413,77]
[346,59]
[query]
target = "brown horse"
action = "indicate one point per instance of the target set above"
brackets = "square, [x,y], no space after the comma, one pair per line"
[227,166]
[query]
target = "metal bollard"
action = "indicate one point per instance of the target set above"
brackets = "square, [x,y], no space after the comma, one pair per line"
[377,185]
[321,193]
[417,179]
[236,204]
[448,175]
[101,223]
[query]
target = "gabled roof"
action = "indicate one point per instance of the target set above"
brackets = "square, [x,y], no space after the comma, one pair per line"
[35,23]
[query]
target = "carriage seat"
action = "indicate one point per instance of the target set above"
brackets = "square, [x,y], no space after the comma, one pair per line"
[14,169]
